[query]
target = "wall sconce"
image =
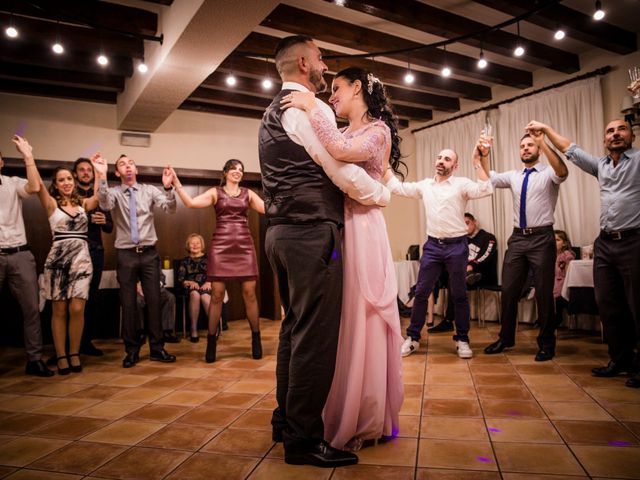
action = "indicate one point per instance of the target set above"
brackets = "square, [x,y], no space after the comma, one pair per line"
[631,111]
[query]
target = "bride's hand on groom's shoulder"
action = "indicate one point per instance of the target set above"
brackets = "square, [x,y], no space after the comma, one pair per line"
[302,100]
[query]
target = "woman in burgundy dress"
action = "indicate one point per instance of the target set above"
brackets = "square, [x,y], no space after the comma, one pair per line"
[232,255]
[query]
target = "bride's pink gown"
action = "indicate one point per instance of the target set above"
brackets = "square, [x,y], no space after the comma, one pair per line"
[367,390]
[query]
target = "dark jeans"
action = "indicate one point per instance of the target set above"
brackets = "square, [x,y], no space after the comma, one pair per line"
[307,260]
[19,271]
[453,255]
[536,251]
[167,310]
[92,308]
[616,275]
[143,267]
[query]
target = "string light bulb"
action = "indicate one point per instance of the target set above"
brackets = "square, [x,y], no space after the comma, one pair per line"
[11,31]
[559,35]
[103,60]
[267,84]
[446,72]
[231,80]
[57,48]
[519,50]
[142,67]
[482,63]
[409,78]
[599,13]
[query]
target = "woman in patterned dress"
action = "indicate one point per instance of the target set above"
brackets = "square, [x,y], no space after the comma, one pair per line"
[192,275]
[232,255]
[68,268]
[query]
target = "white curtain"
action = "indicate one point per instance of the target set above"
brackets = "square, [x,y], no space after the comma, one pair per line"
[574,110]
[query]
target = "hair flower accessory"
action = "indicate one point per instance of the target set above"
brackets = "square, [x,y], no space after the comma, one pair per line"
[370,81]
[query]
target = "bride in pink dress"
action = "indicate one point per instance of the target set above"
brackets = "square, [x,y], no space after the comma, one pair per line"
[367,390]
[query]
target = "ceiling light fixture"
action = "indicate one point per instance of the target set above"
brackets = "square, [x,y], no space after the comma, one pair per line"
[559,35]
[482,63]
[231,80]
[409,78]
[267,84]
[57,47]
[142,67]
[11,31]
[599,13]
[519,50]
[446,71]
[103,60]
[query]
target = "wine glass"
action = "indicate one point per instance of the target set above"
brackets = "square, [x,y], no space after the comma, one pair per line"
[634,76]
[485,138]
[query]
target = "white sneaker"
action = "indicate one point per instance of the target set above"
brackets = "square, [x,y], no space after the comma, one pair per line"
[409,346]
[464,351]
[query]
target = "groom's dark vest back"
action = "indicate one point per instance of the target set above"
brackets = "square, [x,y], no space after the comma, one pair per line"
[296,189]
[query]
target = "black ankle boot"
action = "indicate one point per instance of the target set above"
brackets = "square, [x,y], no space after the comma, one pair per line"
[256,345]
[210,354]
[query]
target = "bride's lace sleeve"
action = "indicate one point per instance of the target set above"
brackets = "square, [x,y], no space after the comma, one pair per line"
[357,149]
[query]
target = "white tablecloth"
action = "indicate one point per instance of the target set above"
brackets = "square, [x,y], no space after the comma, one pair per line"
[579,274]
[109,279]
[406,276]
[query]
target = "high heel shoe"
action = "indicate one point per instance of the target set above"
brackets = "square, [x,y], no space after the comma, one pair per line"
[256,345]
[63,371]
[210,354]
[75,368]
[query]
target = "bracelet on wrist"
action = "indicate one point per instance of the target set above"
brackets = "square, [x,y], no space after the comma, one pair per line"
[168,189]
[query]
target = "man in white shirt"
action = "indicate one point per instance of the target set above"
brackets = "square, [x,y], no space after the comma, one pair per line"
[445,199]
[303,243]
[17,265]
[532,244]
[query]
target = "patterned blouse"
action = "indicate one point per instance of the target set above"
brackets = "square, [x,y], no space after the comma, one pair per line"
[194,269]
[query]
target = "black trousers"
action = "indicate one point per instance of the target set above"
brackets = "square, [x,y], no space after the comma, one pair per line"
[616,276]
[143,267]
[536,251]
[92,308]
[307,260]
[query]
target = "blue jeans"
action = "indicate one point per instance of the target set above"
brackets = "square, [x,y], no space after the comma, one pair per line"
[452,254]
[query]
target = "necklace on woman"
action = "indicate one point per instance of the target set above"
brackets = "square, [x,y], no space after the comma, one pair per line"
[232,194]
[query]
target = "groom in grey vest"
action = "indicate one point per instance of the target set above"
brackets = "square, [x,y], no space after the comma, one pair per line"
[304,207]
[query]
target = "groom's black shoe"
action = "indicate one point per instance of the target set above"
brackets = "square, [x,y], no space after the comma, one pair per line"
[276,435]
[321,455]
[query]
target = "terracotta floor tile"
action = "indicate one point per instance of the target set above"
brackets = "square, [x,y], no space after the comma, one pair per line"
[397,452]
[124,432]
[79,457]
[207,384]
[234,400]
[537,476]
[254,420]
[60,389]
[180,437]
[627,412]
[468,455]
[188,372]
[586,381]
[109,410]
[522,430]
[440,474]
[25,422]
[452,408]
[24,403]
[209,416]
[268,402]
[70,428]
[24,450]
[411,406]
[232,441]
[615,395]
[101,392]
[270,469]
[5,471]
[209,466]
[94,377]
[634,427]
[450,391]
[492,368]
[372,472]
[536,458]
[66,406]
[595,432]
[497,379]
[171,382]
[609,461]
[448,379]
[27,474]
[575,411]
[409,426]
[158,413]
[128,380]
[141,462]
[453,428]
[511,409]
[140,395]
[251,387]
[506,392]
[548,380]
[542,368]
[553,393]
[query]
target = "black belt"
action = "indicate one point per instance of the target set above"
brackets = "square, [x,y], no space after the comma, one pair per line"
[619,234]
[139,248]
[447,240]
[533,230]
[12,250]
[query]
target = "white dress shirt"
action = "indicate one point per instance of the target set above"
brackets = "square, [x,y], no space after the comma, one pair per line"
[542,193]
[444,202]
[349,178]
[12,191]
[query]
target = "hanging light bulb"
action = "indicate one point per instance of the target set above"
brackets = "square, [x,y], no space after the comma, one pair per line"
[267,83]
[519,50]
[142,67]
[409,78]
[231,80]
[482,63]
[446,72]
[11,31]
[57,48]
[559,35]
[103,60]
[599,13]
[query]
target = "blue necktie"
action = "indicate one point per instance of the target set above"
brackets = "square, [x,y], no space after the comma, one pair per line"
[523,198]
[133,216]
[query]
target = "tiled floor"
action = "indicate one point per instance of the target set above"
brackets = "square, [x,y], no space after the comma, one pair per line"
[502,416]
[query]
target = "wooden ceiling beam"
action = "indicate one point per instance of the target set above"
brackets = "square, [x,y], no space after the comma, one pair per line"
[297,21]
[65,78]
[389,74]
[98,14]
[576,25]
[432,20]
[47,90]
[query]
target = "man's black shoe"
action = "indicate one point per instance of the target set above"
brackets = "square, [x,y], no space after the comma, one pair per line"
[162,356]
[38,368]
[473,278]
[130,360]
[544,355]
[633,382]
[443,326]
[611,370]
[52,361]
[322,455]
[91,350]
[496,347]
[169,337]
[276,435]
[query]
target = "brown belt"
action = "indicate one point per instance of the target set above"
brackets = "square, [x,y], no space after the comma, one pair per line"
[619,234]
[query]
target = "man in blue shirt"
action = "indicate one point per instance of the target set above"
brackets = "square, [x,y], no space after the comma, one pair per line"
[616,266]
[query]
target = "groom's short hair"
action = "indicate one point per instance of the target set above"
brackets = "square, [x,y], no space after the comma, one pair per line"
[283,48]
